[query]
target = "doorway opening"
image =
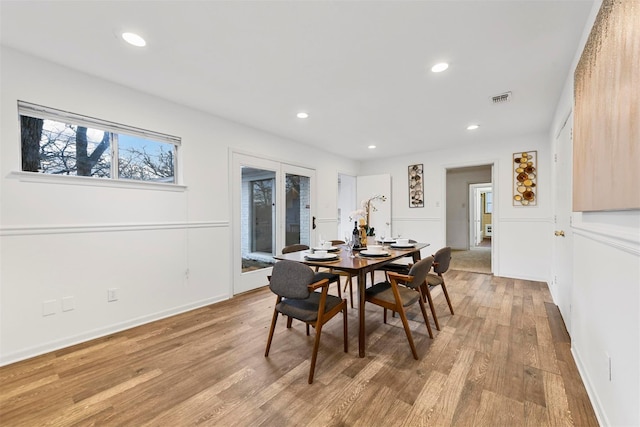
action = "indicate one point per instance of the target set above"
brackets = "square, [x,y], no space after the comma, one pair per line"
[469,212]
[346,204]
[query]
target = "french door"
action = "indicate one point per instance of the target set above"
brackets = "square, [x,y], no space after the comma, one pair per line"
[272,208]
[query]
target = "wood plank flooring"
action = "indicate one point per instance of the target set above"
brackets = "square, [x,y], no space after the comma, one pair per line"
[502,360]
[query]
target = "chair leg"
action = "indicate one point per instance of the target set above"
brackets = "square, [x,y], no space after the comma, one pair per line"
[446,295]
[289,321]
[384,316]
[307,329]
[427,292]
[344,321]
[314,356]
[273,327]
[426,318]
[405,323]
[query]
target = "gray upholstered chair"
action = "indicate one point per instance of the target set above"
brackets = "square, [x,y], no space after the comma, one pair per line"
[402,291]
[401,266]
[442,259]
[329,275]
[294,285]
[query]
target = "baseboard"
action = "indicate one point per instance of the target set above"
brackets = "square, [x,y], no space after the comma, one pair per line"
[593,396]
[101,332]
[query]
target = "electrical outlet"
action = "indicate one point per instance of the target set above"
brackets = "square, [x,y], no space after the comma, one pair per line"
[68,304]
[49,307]
[112,294]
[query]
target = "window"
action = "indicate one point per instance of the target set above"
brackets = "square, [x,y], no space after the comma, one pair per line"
[62,143]
[488,202]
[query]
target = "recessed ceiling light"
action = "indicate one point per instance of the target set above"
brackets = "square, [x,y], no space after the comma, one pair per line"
[371,147]
[438,68]
[134,39]
[473,127]
[302,115]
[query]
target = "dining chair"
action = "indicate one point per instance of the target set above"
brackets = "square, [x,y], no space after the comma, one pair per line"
[403,290]
[399,266]
[296,297]
[319,275]
[442,260]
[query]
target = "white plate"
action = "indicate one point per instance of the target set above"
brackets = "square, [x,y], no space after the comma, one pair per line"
[373,254]
[387,241]
[331,249]
[316,257]
[408,245]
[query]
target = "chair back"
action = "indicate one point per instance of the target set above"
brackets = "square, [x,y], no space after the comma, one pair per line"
[419,271]
[289,279]
[294,248]
[442,258]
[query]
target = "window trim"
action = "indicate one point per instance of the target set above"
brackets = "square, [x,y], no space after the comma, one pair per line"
[42,112]
[90,181]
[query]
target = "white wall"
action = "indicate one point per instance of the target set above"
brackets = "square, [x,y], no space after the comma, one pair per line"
[605,302]
[521,235]
[166,249]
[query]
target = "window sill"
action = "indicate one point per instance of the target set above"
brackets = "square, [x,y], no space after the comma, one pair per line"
[94,182]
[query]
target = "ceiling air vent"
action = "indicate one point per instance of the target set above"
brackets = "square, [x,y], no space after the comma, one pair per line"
[503,97]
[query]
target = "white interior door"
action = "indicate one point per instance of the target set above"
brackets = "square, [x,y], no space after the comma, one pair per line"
[563,239]
[346,204]
[372,185]
[476,209]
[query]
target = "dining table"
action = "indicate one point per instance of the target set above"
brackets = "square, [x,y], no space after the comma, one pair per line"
[357,263]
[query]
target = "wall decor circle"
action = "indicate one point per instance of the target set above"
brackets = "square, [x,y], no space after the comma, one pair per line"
[525,172]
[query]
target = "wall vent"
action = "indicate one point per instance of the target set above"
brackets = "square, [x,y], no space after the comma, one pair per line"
[503,97]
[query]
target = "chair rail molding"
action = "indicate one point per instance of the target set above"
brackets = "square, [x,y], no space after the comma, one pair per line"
[518,219]
[609,236]
[106,228]
[417,219]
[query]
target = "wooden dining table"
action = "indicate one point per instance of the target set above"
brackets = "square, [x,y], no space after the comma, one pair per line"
[358,265]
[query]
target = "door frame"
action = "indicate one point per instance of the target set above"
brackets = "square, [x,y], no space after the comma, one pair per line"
[495,227]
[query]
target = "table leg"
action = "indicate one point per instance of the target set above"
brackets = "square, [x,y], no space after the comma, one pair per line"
[362,281]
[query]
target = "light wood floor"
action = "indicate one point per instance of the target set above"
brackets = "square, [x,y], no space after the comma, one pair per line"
[502,360]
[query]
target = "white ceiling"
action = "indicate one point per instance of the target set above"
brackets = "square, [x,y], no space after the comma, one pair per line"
[360,68]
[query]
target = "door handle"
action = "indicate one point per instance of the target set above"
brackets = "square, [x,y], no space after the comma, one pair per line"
[313,223]
[559,233]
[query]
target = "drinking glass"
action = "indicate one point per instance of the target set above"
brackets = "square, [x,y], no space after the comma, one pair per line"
[348,239]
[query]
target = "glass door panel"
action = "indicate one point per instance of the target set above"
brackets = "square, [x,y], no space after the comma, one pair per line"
[258,218]
[262,216]
[297,209]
